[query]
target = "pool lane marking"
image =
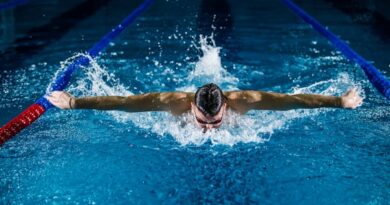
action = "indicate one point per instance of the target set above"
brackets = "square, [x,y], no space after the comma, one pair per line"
[33,112]
[380,82]
[12,4]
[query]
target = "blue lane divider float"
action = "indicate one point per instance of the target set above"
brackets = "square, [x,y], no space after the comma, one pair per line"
[374,76]
[12,4]
[63,80]
[33,112]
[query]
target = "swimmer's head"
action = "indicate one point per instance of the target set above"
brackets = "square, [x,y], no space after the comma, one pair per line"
[209,106]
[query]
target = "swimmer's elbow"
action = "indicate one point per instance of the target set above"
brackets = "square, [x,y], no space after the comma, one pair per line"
[145,103]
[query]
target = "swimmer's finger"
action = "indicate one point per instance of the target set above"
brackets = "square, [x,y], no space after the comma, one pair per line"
[356,92]
[55,101]
[48,97]
[56,93]
[52,100]
[67,94]
[360,102]
[352,92]
[348,92]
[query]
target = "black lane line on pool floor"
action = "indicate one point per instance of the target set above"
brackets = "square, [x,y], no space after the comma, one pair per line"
[356,10]
[36,39]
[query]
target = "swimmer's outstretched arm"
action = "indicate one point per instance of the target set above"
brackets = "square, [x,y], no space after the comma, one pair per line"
[244,101]
[174,102]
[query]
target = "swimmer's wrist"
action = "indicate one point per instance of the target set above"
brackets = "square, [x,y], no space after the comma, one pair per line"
[340,102]
[72,103]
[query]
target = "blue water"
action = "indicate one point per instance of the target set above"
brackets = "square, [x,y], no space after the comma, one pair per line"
[323,156]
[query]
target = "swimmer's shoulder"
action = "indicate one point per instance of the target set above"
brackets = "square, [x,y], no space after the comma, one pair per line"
[239,100]
[177,97]
[244,95]
[179,102]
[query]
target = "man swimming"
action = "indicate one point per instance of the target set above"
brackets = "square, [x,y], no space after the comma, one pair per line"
[208,104]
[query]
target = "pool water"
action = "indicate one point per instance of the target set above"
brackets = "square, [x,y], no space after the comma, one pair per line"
[320,156]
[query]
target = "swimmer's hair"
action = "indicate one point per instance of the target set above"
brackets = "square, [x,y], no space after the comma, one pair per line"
[209,99]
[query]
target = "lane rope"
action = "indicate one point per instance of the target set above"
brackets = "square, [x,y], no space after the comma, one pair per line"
[33,112]
[380,82]
[12,4]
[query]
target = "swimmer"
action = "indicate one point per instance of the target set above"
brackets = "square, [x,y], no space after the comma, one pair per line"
[208,104]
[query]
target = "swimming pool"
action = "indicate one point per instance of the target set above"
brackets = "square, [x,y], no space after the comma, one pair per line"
[324,156]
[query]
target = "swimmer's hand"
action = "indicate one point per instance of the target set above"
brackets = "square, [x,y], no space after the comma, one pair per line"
[61,99]
[351,99]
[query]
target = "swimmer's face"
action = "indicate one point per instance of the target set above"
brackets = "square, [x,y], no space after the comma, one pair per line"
[207,122]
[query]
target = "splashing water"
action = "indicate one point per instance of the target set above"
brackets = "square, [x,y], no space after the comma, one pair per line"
[209,67]
[256,126]
[97,81]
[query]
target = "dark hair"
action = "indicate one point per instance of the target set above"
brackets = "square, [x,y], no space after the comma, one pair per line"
[209,99]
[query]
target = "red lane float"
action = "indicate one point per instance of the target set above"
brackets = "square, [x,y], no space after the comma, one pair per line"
[24,119]
[33,112]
